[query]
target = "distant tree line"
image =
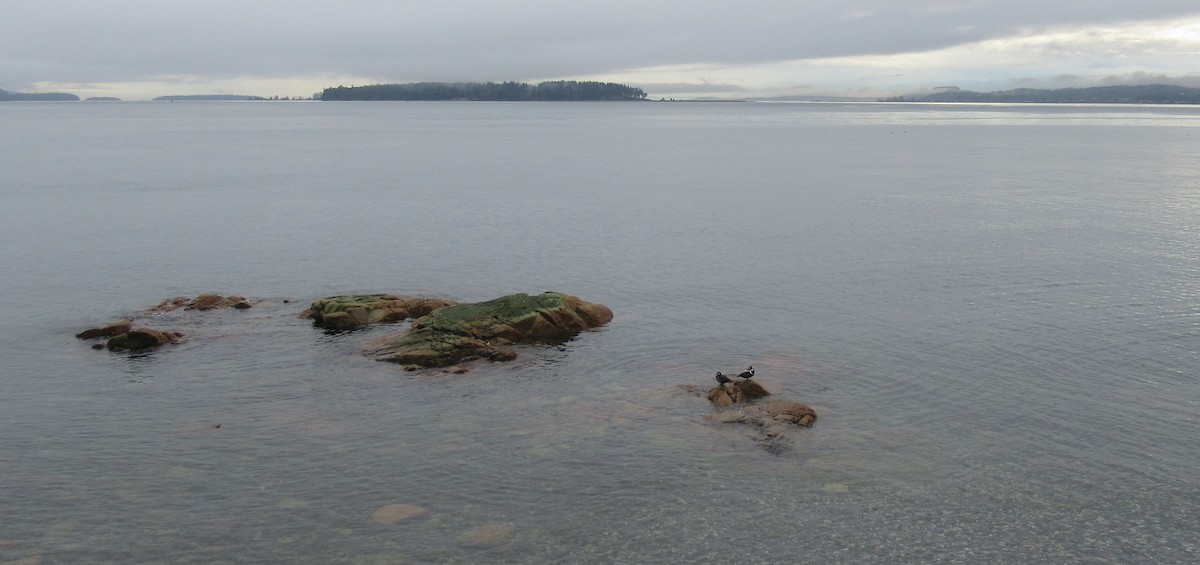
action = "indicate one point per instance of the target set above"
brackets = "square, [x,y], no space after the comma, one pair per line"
[1140,94]
[490,91]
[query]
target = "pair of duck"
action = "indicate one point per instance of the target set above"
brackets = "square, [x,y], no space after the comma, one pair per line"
[748,373]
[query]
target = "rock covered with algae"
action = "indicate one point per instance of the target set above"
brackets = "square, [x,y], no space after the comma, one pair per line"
[354,311]
[482,330]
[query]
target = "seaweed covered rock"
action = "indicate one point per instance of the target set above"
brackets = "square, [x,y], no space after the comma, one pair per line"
[354,311]
[464,332]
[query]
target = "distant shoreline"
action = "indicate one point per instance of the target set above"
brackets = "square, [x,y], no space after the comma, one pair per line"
[1144,94]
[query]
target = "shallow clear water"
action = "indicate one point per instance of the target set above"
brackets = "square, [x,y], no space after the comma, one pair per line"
[994,309]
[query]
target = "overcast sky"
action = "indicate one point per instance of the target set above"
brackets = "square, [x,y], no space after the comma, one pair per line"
[138,49]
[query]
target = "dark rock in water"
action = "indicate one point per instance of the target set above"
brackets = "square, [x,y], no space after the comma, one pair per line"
[751,389]
[465,332]
[113,329]
[140,339]
[354,311]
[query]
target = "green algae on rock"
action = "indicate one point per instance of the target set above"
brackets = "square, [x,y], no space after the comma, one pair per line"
[354,311]
[480,330]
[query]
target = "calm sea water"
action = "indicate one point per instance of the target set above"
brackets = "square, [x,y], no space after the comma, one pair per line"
[994,309]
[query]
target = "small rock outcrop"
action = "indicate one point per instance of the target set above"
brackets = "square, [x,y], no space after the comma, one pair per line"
[114,329]
[482,330]
[770,418]
[354,311]
[123,336]
[204,302]
[141,339]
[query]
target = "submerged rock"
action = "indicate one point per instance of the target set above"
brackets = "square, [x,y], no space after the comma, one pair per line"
[354,311]
[396,513]
[464,332]
[140,339]
[797,413]
[490,535]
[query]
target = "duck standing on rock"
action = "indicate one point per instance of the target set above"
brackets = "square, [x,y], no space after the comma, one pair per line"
[722,379]
[749,372]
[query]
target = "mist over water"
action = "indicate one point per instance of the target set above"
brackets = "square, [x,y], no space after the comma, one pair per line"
[994,309]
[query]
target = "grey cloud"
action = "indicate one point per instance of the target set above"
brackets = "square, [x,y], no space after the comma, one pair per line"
[84,40]
[707,87]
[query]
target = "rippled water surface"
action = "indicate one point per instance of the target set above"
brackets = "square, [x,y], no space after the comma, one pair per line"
[994,309]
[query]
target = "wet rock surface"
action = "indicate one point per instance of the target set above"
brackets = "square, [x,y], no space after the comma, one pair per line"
[114,329]
[484,330]
[126,336]
[349,312]
[738,402]
[141,339]
[203,302]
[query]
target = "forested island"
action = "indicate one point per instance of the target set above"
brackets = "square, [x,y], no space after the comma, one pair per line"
[491,91]
[9,96]
[1141,94]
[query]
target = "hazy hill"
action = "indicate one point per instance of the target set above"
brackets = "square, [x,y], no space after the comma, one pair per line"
[9,96]
[1140,94]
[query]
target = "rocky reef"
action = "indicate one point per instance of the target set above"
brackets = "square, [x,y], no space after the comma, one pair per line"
[483,330]
[122,335]
[443,333]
